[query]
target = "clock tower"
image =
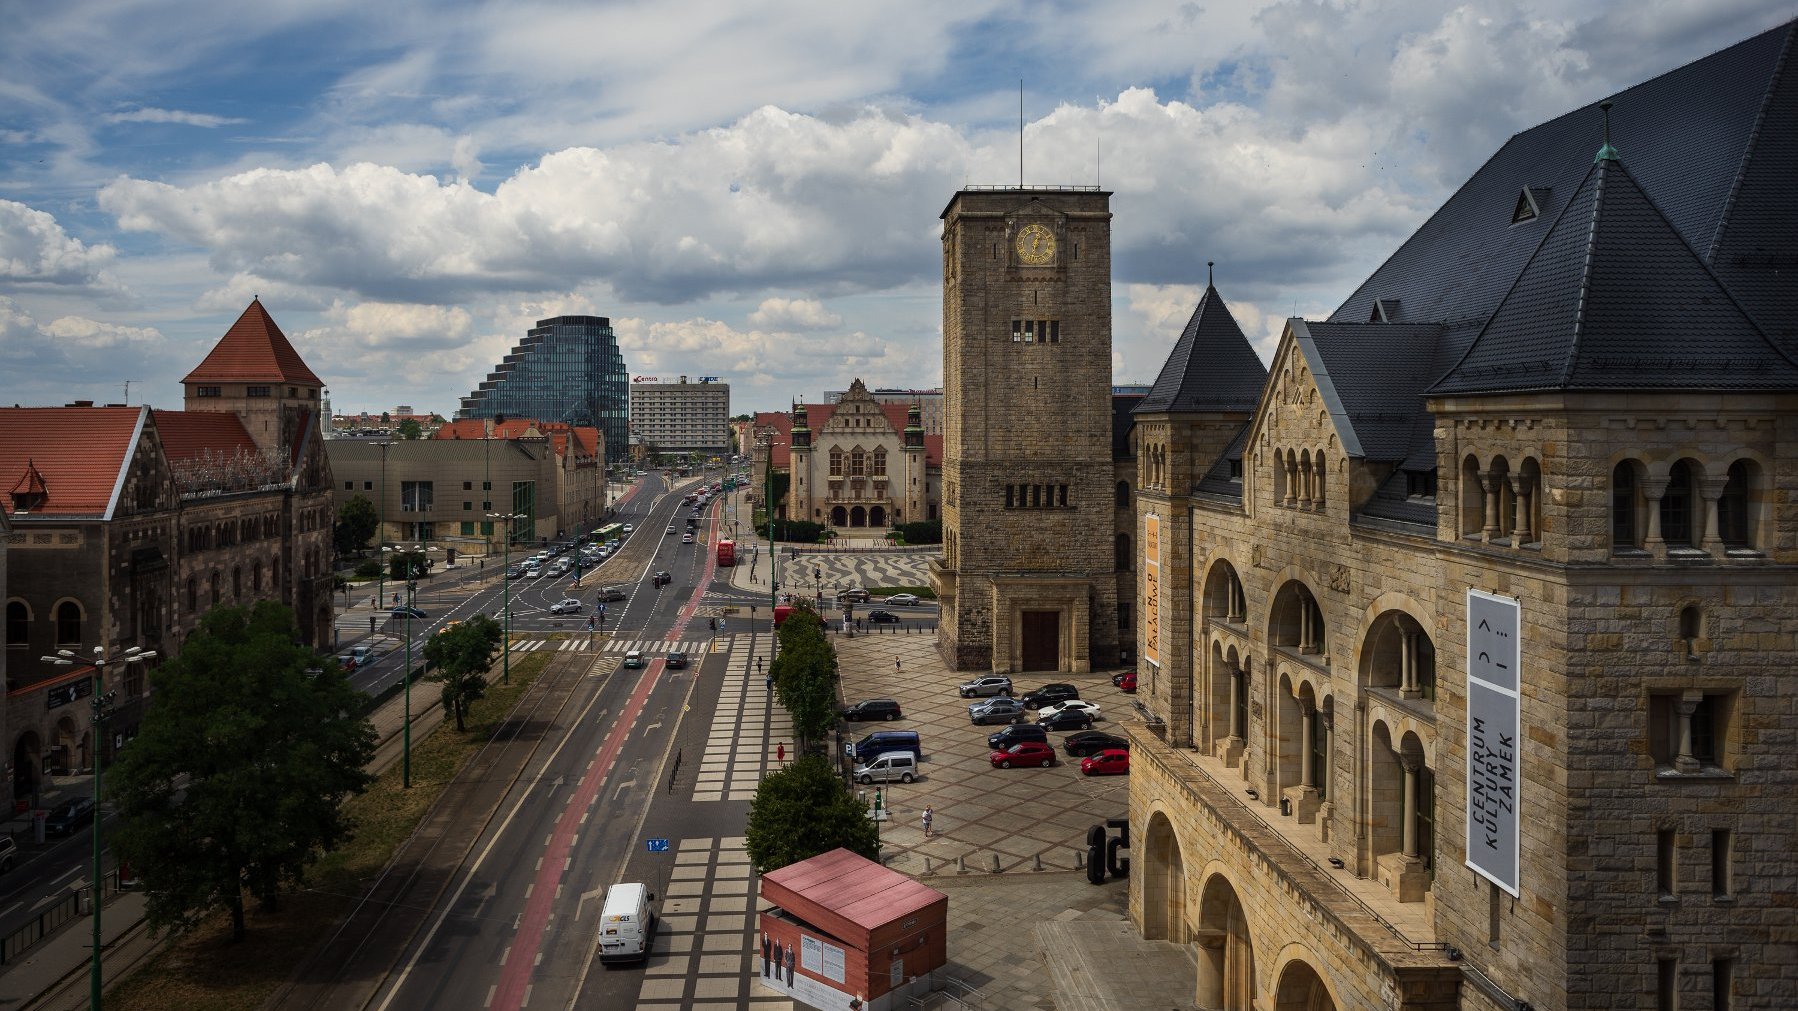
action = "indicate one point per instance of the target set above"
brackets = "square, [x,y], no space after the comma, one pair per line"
[1027,580]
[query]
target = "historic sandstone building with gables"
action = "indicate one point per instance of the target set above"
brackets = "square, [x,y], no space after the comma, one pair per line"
[1466,630]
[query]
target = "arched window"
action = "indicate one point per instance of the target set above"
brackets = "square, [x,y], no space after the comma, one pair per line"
[256,578]
[193,594]
[68,623]
[836,461]
[1298,622]
[880,461]
[1399,654]
[237,583]
[1473,498]
[1732,509]
[1126,559]
[1691,628]
[18,623]
[1677,526]
[1223,594]
[1624,492]
[1123,495]
[215,587]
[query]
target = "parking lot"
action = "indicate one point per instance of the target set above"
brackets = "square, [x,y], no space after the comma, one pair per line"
[1016,815]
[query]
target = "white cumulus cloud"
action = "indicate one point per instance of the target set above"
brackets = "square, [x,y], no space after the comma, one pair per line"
[35,251]
[793,314]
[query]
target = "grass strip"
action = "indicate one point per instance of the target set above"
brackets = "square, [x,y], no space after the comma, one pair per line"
[203,970]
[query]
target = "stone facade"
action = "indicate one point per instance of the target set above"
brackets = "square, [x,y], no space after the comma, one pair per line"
[1027,459]
[857,468]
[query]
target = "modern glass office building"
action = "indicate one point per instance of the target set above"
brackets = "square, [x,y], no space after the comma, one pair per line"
[566,369]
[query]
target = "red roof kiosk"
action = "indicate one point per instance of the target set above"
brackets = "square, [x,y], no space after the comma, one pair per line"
[844,929]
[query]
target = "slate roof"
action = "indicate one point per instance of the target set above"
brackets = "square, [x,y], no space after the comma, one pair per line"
[1711,142]
[254,350]
[1122,406]
[1371,377]
[1216,481]
[1212,367]
[79,453]
[1614,299]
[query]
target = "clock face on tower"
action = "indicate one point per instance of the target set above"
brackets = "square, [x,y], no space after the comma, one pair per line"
[1035,245]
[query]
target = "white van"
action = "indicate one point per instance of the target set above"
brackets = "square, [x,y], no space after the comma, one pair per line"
[899,765]
[627,926]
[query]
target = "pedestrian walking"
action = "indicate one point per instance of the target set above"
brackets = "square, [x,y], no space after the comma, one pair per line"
[780,753]
[929,813]
[896,664]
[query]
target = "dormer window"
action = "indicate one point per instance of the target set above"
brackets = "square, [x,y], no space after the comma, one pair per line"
[1529,204]
[1385,310]
[1420,483]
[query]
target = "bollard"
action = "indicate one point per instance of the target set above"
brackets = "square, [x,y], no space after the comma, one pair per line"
[995,863]
[1039,862]
[1080,860]
[927,869]
[961,864]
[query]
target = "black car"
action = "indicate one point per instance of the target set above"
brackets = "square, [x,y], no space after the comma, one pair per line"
[402,611]
[872,709]
[677,661]
[1048,695]
[1067,719]
[663,579]
[515,572]
[1091,742]
[882,618]
[1015,734]
[69,815]
[609,593]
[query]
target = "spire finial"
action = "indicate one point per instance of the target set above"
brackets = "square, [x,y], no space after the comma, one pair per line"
[1607,152]
[1208,265]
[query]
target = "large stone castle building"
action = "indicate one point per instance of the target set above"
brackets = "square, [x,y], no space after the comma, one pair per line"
[1465,627]
[1027,579]
[128,523]
[856,463]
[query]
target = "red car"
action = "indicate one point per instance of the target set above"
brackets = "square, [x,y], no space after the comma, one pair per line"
[1111,762]
[1127,683]
[1025,753]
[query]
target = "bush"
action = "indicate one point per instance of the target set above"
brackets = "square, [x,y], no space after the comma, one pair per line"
[370,568]
[795,531]
[925,532]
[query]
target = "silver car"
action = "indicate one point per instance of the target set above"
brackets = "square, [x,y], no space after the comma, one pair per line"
[996,684]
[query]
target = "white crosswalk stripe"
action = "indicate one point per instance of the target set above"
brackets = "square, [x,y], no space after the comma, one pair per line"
[658,645]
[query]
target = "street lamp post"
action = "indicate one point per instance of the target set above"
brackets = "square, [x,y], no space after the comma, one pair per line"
[381,531]
[102,712]
[506,581]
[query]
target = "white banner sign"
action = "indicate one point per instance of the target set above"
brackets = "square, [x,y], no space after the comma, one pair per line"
[824,959]
[1494,725]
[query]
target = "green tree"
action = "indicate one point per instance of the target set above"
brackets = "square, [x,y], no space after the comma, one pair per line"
[411,429]
[236,780]
[356,523]
[461,657]
[403,565]
[386,418]
[804,672]
[803,810]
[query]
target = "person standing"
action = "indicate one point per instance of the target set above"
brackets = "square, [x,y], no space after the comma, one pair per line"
[929,814]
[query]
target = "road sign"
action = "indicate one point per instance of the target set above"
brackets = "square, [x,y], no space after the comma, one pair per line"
[658,845]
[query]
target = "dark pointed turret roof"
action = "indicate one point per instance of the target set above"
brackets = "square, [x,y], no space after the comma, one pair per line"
[254,350]
[1614,299]
[1212,367]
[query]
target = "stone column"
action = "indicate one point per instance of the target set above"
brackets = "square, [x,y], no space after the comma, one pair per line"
[1520,496]
[1292,480]
[1305,485]
[1653,541]
[1411,767]
[1235,701]
[1489,511]
[1710,495]
[1307,727]
[1686,761]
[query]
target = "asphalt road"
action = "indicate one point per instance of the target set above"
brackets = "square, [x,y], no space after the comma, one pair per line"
[510,921]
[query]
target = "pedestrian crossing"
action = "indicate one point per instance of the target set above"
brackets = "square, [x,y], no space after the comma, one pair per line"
[581,643]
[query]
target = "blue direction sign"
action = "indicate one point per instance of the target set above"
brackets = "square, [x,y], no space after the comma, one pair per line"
[658,845]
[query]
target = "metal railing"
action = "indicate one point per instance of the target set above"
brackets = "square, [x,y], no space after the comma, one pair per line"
[73,904]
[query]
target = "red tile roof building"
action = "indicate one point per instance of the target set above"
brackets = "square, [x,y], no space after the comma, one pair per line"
[128,523]
[853,464]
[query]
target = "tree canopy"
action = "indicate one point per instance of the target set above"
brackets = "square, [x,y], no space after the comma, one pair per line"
[411,429]
[803,810]
[461,656]
[805,670]
[356,523]
[236,779]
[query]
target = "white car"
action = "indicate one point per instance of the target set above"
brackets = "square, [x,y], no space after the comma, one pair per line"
[567,605]
[1077,705]
[628,528]
[903,599]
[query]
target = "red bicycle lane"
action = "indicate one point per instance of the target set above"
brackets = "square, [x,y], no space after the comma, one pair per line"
[521,960]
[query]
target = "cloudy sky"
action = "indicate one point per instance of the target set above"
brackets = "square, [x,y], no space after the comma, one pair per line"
[748,188]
